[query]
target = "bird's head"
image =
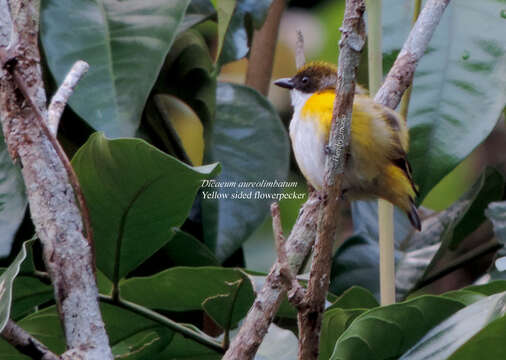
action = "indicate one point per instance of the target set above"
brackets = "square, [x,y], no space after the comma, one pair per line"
[312,77]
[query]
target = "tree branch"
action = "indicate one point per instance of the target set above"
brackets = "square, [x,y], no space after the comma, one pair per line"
[401,74]
[60,99]
[245,345]
[254,328]
[26,343]
[261,56]
[351,45]
[56,202]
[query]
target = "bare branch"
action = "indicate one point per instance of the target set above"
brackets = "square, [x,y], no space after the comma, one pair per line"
[295,290]
[61,222]
[300,58]
[60,99]
[299,243]
[401,74]
[261,57]
[351,45]
[26,343]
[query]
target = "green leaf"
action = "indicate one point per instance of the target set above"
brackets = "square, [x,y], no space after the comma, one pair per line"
[12,199]
[459,86]
[185,250]
[239,31]
[251,144]
[387,332]
[184,348]
[197,12]
[130,334]
[224,10]
[487,344]
[6,284]
[228,309]
[464,296]
[416,252]
[142,345]
[188,74]
[443,340]
[491,288]
[135,194]
[185,288]
[335,321]
[29,292]
[356,297]
[125,44]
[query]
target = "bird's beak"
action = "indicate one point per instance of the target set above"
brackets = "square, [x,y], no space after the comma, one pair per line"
[286,83]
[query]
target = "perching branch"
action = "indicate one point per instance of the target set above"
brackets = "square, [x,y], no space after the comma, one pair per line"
[401,74]
[261,57]
[25,343]
[60,99]
[351,45]
[254,328]
[56,203]
[245,345]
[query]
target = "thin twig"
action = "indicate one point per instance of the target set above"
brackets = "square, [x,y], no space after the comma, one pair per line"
[261,57]
[201,338]
[60,99]
[245,345]
[300,58]
[295,290]
[26,343]
[351,45]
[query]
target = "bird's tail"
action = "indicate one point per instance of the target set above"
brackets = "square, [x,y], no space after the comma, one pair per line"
[414,218]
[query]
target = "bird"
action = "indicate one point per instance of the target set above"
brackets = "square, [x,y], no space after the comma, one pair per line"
[376,162]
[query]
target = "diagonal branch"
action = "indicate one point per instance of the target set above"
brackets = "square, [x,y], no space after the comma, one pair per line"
[60,99]
[351,45]
[401,74]
[25,343]
[245,345]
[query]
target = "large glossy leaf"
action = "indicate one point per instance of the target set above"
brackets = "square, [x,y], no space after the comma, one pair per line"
[444,339]
[250,142]
[29,292]
[387,332]
[6,284]
[234,29]
[188,74]
[12,199]
[355,297]
[135,194]
[459,86]
[131,336]
[357,261]
[182,347]
[197,12]
[185,250]
[335,321]
[125,44]
[228,309]
[186,288]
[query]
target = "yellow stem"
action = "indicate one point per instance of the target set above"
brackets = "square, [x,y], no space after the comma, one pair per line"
[385,209]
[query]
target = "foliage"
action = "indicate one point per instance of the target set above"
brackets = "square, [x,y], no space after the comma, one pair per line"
[164,246]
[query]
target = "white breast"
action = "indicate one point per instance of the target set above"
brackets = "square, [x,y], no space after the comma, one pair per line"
[308,146]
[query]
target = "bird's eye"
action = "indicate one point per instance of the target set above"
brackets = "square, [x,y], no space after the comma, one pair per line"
[305,80]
